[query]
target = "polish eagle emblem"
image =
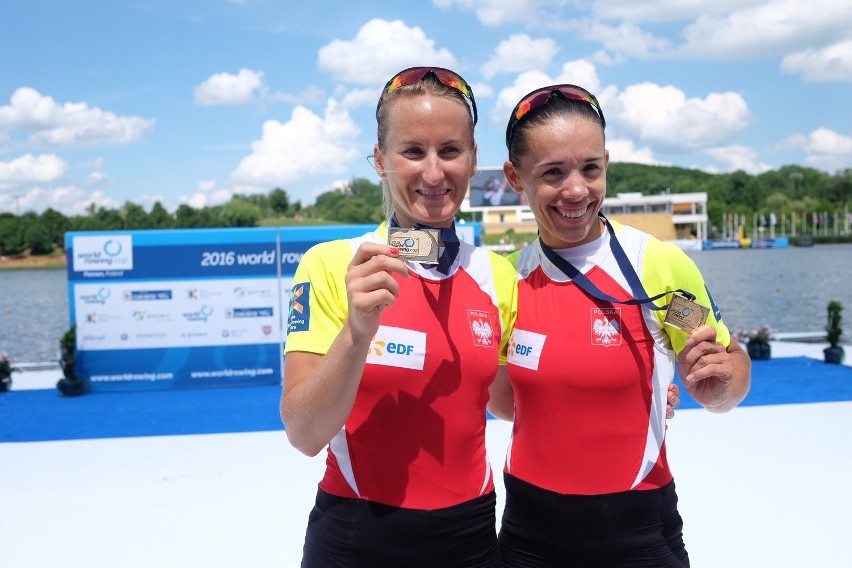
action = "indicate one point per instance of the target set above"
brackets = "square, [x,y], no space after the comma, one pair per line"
[480,325]
[606,331]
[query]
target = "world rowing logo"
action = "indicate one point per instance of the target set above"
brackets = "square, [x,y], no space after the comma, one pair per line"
[606,327]
[300,308]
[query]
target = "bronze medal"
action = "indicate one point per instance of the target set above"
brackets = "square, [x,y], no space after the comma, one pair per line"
[415,245]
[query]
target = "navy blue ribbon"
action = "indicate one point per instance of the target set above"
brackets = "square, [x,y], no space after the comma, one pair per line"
[636,287]
[451,242]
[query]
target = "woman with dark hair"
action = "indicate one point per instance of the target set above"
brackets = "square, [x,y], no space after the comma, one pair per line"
[592,355]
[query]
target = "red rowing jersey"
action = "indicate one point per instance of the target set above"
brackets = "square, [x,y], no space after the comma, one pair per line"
[590,378]
[416,435]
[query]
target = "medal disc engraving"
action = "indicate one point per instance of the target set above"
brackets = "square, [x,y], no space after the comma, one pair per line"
[685,314]
[415,245]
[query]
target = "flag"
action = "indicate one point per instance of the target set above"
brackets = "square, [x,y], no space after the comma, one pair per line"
[773,220]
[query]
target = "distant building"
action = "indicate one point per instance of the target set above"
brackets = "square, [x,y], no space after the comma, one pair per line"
[678,217]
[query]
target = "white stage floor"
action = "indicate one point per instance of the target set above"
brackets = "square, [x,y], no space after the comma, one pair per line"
[759,486]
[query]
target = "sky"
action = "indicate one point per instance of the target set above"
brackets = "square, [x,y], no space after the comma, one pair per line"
[194,101]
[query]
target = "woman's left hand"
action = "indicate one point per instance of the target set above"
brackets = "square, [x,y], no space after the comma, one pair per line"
[706,368]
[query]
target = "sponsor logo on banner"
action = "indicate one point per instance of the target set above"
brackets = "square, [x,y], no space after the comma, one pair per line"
[300,308]
[397,347]
[201,293]
[480,326]
[242,291]
[109,252]
[147,295]
[525,349]
[100,297]
[140,315]
[265,312]
[606,326]
[200,315]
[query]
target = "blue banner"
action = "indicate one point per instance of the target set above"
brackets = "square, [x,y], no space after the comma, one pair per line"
[190,307]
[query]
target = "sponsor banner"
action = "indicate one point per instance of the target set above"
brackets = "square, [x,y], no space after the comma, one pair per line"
[181,367]
[190,307]
[189,261]
[181,313]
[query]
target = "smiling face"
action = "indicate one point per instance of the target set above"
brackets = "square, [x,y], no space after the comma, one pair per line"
[563,175]
[428,158]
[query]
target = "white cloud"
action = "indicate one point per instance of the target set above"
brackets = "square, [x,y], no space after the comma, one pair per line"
[92,163]
[229,89]
[482,91]
[68,199]
[624,150]
[622,41]
[666,10]
[824,148]
[29,169]
[306,145]
[357,98]
[70,123]
[96,178]
[497,12]
[380,49]
[309,96]
[832,63]
[736,157]
[664,115]
[579,72]
[208,194]
[519,53]
[768,28]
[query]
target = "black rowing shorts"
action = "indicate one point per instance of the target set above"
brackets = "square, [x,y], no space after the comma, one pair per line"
[543,529]
[355,533]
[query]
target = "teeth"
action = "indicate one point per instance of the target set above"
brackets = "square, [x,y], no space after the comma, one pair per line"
[573,214]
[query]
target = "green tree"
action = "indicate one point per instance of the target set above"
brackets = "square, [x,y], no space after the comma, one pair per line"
[187,217]
[57,224]
[239,213]
[135,216]
[37,237]
[279,202]
[11,236]
[160,218]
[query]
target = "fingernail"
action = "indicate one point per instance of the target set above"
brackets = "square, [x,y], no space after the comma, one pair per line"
[394,250]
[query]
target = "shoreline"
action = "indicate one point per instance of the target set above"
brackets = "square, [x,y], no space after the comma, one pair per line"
[34,262]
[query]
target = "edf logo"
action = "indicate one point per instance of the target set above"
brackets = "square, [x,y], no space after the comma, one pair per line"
[523,350]
[400,348]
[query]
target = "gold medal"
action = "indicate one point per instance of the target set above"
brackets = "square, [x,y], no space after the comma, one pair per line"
[415,245]
[685,314]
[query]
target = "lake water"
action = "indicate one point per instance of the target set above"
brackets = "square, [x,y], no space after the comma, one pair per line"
[787,289]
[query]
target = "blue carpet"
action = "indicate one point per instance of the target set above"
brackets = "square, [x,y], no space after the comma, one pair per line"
[41,415]
[792,380]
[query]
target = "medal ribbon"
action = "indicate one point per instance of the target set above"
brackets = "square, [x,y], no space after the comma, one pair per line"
[451,242]
[589,287]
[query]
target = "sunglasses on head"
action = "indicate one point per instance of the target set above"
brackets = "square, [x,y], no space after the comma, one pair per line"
[414,75]
[540,97]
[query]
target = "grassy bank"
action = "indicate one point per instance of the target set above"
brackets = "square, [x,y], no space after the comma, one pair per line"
[46,262]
